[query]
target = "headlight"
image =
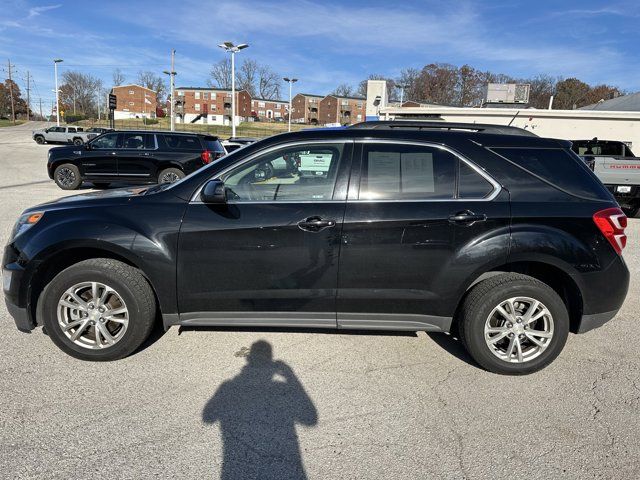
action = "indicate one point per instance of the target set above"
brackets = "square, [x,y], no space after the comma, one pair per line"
[25,222]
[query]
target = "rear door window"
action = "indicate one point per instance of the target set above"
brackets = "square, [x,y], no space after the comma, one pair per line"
[407,172]
[136,141]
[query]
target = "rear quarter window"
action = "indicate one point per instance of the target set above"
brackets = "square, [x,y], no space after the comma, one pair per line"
[557,167]
[183,142]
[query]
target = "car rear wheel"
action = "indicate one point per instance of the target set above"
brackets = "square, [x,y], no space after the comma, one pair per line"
[513,324]
[78,141]
[67,176]
[170,175]
[99,309]
[40,140]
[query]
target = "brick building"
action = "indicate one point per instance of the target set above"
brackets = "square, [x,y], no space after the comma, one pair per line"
[269,110]
[342,110]
[305,108]
[134,101]
[211,105]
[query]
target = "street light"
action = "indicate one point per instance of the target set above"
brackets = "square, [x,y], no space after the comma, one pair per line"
[291,82]
[56,61]
[233,49]
[172,74]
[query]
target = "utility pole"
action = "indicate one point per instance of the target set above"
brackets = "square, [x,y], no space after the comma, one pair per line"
[13,111]
[28,97]
[172,104]
[41,117]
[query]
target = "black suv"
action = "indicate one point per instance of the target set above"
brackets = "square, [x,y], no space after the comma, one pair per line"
[506,240]
[132,157]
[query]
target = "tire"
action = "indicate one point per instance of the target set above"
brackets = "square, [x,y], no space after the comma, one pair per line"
[170,175]
[40,140]
[67,176]
[78,141]
[478,311]
[101,185]
[128,330]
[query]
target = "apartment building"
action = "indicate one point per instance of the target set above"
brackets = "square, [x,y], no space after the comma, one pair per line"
[266,110]
[134,101]
[334,109]
[211,105]
[305,108]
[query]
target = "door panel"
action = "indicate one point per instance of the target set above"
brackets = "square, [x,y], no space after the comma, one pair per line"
[262,260]
[405,261]
[101,160]
[136,158]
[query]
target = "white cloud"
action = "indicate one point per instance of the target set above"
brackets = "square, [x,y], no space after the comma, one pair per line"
[35,11]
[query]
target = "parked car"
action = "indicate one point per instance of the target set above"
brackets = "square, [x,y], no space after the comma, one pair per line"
[100,130]
[62,134]
[507,241]
[617,167]
[134,157]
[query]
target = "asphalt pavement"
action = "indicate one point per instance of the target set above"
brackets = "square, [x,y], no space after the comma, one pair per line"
[331,405]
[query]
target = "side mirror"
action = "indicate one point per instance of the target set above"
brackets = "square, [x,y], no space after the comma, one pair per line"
[87,146]
[214,192]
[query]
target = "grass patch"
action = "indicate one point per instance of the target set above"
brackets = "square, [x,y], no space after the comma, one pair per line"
[9,123]
[245,129]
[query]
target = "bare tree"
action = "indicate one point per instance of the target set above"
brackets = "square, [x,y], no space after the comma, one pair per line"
[154,82]
[343,90]
[221,74]
[246,77]
[410,78]
[79,92]
[269,83]
[118,77]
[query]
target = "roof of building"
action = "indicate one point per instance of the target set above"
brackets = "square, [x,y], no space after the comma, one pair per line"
[343,96]
[133,85]
[310,95]
[624,103]
[210,89]
[269,100]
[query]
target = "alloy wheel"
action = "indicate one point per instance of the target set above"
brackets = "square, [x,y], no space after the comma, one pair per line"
[519,329]
[92,315]
[169,177]
[66,177]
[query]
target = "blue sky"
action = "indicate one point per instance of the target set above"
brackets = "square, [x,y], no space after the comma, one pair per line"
[324,43]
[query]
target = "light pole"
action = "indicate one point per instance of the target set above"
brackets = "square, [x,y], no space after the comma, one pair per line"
[233,49]
[401,87]
[172,74]
[291,82]
[56,61]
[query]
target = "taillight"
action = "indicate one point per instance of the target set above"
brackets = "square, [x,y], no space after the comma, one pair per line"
[206,156]
[612,222]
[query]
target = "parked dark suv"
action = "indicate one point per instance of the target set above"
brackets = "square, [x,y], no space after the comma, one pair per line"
[506,240]
[132,157]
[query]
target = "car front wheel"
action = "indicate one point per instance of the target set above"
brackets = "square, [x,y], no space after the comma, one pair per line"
[170,175]
[513,324]
[99,309]
[40,140]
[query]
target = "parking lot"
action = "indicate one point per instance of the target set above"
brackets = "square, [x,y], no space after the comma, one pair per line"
[360,405]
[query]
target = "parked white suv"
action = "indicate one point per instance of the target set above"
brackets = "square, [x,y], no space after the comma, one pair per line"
[63,134]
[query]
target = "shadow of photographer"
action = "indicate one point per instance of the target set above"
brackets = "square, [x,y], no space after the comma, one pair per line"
[258,411]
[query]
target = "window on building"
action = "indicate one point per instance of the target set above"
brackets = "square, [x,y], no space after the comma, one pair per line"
[197,94]
[359,116]
[197,106]
[407,172]
[205,95]
[131,103]
[131,92]
[213,107]
[180,93]
[213,95]
[261,104]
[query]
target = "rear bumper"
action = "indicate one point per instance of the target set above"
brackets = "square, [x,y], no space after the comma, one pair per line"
[589,322]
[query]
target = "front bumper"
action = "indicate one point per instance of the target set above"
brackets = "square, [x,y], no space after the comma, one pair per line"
[12,276]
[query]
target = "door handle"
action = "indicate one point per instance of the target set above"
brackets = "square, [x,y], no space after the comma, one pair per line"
[113,153]
[467,217]
[146,154]
[315,224]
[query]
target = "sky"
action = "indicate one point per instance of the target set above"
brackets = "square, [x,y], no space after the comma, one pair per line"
[323,43]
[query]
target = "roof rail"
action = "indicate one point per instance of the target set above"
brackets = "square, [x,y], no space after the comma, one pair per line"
[442,125]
